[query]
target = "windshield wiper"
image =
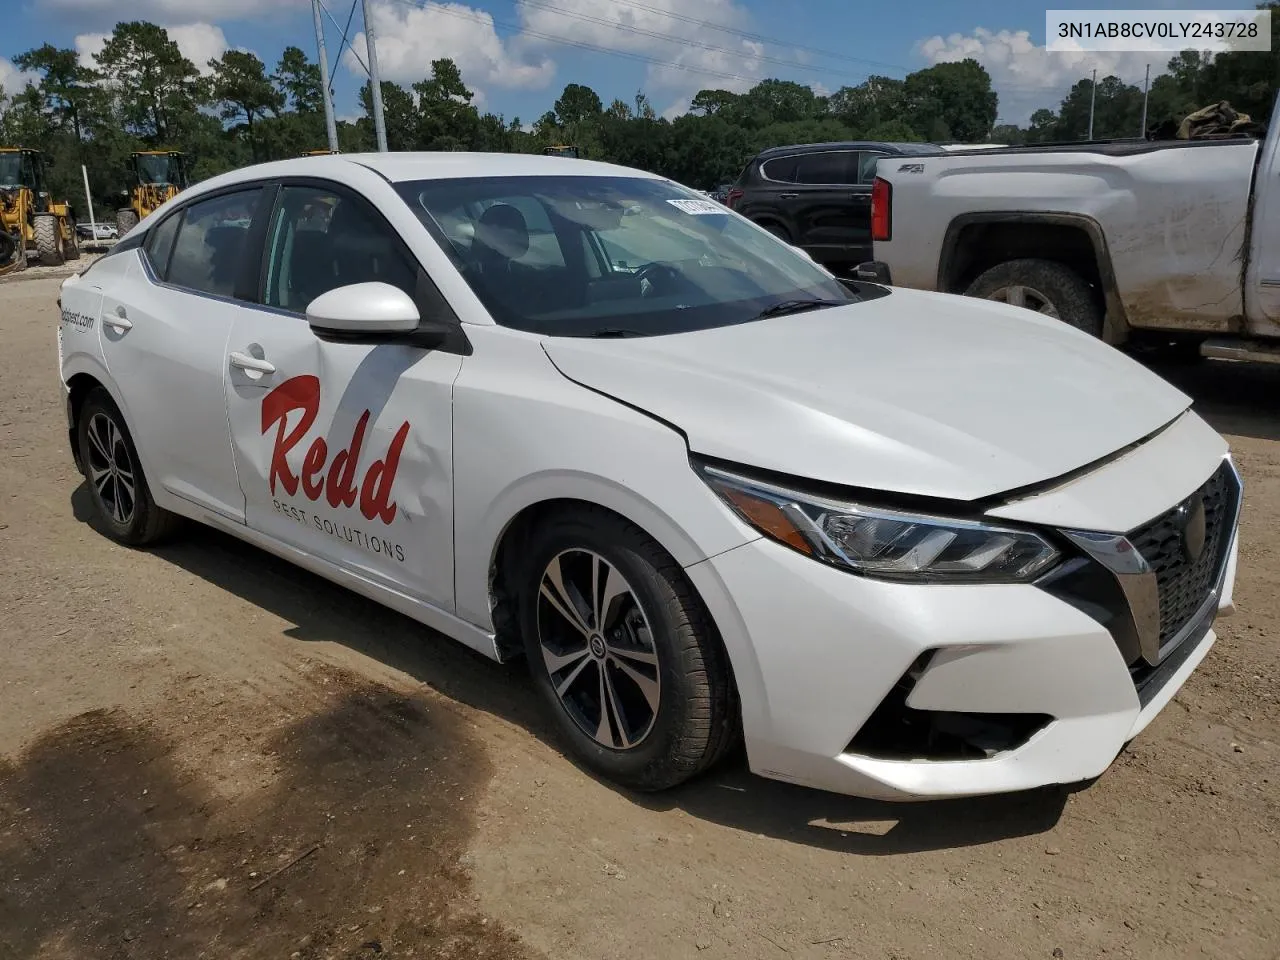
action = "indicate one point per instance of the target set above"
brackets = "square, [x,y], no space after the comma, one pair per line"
[784,307]
[614,333]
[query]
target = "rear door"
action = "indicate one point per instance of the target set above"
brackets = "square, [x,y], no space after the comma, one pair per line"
[833,210]
[343,450]
[164,336]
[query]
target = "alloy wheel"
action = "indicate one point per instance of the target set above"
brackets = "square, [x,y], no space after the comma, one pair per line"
[111,469]
[598,649]
[1019,295]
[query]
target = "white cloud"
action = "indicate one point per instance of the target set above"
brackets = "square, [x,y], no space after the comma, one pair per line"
[1028,77]
[12,80]
[734,65]
[820,89]
[199,43]
[409,38]
[178,11]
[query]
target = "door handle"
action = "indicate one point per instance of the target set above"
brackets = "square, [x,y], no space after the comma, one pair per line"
[788,196]
[243,361]
[120,321]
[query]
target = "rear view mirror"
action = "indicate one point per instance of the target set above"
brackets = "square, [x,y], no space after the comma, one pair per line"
[361,310]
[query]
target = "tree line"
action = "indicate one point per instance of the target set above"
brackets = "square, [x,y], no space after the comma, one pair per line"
[142,93]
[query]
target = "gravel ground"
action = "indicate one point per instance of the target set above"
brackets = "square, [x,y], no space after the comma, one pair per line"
[205,752]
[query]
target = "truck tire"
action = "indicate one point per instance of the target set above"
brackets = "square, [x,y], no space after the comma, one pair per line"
[1051,289]
[126,220]
[71,245]
[48,239]
[777,229]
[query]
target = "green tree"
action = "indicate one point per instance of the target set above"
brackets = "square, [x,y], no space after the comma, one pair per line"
[876,101]
[577,104]
[447,119]
[298,79]
[154,87]
[241,87]
[66,86]
[711,103]
[398,112]
[951,101]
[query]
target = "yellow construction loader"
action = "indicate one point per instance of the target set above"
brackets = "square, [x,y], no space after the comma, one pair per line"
[158,175]
[562,151]
[29,218]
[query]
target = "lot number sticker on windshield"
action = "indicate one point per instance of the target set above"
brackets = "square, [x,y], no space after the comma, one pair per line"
[698,208]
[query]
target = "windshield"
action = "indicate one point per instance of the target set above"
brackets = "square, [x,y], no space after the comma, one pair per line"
[10,169]
[613,256]
[155,169]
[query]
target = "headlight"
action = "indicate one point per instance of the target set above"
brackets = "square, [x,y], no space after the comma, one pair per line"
[887,544]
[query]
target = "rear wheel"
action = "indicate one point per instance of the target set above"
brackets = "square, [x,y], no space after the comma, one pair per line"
[126,220]
[70,244]
[1047,287]
[624,653]
[121,497]
[48,239]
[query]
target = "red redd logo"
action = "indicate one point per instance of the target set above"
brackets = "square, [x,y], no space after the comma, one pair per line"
[339,487]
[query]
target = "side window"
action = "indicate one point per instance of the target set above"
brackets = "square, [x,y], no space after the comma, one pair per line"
[321,239]
[159,245]
[781,169]
[867,166]
[834,167]
[209,253]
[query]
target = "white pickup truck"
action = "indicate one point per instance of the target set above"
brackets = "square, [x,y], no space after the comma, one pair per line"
[1172,241]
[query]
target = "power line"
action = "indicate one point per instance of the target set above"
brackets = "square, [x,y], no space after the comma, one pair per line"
[759,38]
[667,38]
[580,44]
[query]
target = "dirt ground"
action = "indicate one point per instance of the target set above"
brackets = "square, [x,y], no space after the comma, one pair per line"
[205,752]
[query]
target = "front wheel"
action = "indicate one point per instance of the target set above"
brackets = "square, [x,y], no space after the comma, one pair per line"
[1045,286]
[48,239]
[121,497]
[778,230]
[624,653]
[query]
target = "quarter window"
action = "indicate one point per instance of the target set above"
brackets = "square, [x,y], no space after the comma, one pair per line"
[781,169]
[321,239]
[208,256]
[159,244]
[867,166]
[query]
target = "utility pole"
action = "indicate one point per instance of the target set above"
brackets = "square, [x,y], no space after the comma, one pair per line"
[329,123]
[375,83]
[1093,89]
[1146,94]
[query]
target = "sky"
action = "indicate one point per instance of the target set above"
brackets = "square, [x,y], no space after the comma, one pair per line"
[517,55]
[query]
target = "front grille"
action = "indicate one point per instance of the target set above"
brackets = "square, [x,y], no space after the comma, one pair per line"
[1184,583]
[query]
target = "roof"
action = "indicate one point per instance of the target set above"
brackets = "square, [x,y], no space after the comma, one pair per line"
[398,167]
[883,145]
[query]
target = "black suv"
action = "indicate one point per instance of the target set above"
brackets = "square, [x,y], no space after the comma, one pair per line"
[818,195]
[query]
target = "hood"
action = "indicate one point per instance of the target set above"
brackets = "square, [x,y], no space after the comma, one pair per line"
[913,393]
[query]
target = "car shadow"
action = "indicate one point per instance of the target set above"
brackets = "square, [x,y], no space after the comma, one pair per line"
[1236,397]
[729,795]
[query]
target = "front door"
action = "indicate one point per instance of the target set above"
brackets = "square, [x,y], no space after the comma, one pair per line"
[164,334]
[344,451]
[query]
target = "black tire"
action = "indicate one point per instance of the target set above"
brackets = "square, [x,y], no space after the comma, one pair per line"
[126,220]
[697,720]
[48,239]
[143,523]
[1065,290]
[778,230]
[71,248]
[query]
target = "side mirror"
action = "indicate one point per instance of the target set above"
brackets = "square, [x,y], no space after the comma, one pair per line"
[361,310]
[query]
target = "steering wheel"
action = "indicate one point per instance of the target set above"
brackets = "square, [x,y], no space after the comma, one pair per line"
[651,272]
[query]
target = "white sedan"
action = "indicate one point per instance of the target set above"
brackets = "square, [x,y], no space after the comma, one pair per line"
[906,545]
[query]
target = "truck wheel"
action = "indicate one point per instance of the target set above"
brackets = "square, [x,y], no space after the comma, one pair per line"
[48,239]
[1044,286]
[624,652]
[126,220]
[71,246]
